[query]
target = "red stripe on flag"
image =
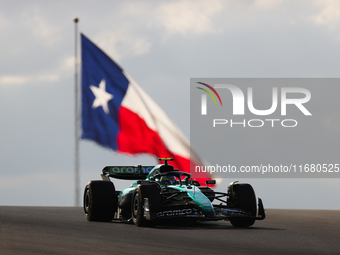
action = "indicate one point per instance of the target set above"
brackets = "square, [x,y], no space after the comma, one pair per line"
[135,137]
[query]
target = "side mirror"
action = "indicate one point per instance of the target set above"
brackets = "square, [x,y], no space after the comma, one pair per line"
[210,182]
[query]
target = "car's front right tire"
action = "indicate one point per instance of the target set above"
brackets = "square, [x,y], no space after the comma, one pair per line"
[243,198]
[137,210]
[152,193]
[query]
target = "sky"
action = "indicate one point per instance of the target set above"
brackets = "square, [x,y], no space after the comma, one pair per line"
[161,44]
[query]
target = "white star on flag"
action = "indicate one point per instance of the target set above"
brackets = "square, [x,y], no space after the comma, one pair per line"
[102,97]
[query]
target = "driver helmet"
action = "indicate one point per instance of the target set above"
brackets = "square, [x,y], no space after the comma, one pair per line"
[168,180]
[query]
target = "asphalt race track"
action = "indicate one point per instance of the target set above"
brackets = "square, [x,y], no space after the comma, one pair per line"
[64,230]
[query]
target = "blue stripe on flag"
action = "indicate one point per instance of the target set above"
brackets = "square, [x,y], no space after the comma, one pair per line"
[99,124]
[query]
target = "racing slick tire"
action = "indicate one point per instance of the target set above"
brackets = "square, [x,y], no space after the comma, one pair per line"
[152,193]
[245,199]
[100,201]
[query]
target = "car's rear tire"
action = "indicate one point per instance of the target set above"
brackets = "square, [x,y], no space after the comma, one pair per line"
[152,193]
[244,198]
[100,201]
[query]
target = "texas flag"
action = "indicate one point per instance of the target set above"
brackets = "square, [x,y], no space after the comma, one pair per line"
[118,114]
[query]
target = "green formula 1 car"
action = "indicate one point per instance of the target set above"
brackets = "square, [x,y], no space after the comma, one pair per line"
[161,193]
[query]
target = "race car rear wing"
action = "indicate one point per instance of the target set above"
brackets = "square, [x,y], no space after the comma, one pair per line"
[127,172]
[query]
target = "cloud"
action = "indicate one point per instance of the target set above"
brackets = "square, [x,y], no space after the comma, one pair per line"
[266,4]
[25,79]
[30,179]
[43,29]
[178,17]
[329,14]
[30,22]
[167,19]
[3,22]
[189,17]
[122,43]
[12,80]
[37,188]
[62,70]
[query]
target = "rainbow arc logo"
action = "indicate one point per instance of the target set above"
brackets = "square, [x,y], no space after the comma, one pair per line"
[204,97]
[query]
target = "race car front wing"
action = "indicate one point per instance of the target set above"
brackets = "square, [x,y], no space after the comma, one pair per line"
[222,212]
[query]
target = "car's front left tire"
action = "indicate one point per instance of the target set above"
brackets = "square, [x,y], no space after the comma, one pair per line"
[100,201]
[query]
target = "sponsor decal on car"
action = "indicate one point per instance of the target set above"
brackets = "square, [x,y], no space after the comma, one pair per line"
[130,169]
[182,212]
[232,212]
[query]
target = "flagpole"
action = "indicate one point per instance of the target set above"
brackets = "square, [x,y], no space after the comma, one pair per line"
[76,113]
